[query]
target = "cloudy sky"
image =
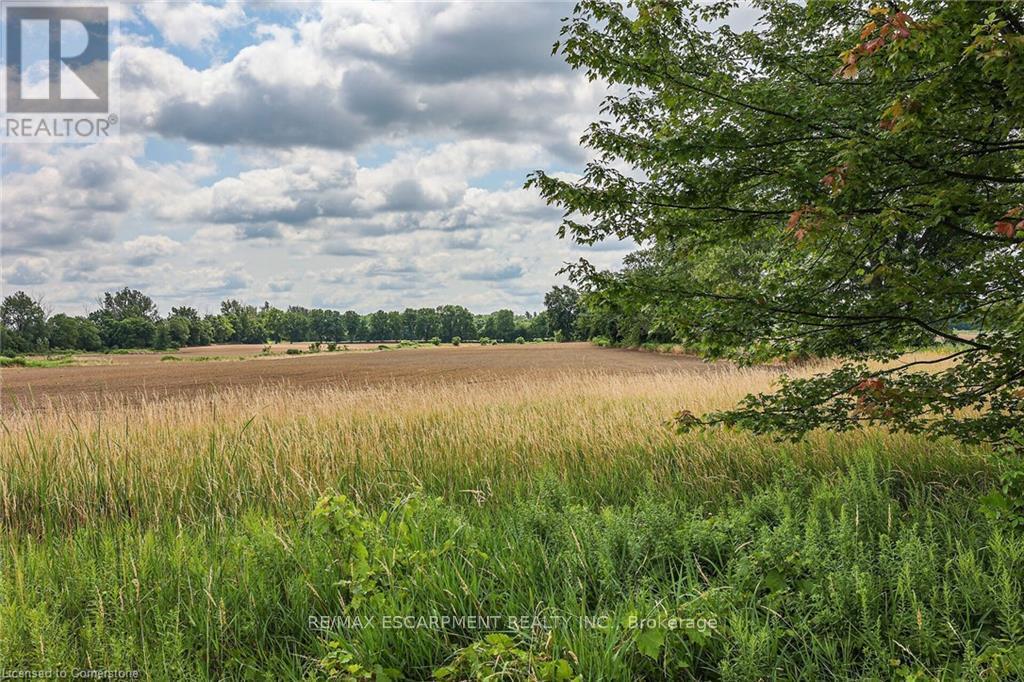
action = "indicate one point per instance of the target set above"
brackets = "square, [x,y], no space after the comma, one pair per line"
[341,155]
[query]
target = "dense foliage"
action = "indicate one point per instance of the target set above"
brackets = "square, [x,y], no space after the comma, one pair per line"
[129,319]
[858,576]
[842,181]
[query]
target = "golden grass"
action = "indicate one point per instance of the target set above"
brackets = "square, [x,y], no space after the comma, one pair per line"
[201,459]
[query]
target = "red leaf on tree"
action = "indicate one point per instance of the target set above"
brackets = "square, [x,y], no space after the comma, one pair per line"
[1005,228]
[836,177]
[872,46]
[794,218]
[870,397]
[872,385]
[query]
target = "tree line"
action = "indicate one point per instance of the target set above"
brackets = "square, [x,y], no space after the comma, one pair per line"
[129,318]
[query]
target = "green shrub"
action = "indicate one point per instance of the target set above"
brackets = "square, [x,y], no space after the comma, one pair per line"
[315,347]
[293,351]
[436,341]
[520,339]
[456,340]
[498,657]
[1005,504]
[171,358]
[601,341]
[22,361]
[484,341]
[341,664]
[331,347]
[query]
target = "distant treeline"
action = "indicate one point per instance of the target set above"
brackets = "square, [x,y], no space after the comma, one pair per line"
[129,319]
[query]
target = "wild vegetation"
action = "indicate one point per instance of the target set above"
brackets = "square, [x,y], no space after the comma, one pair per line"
[472,528]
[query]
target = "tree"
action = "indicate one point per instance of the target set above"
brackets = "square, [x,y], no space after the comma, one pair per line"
[126,319]
[394,325]
[456,321]
[128,303]
[378,326]
[131,332]
[72,333]
[538,327]
[244,321]
[427,325]
[199,333]
[296,324]
[177,330]
[355,329]
[500,324]
[62,332]
[88,335]
[326,325]
[844,182]
[161,337]
[25,323]
[221,329]
[409,317]
[562,305]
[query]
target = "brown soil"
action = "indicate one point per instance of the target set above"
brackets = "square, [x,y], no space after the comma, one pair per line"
[103,377]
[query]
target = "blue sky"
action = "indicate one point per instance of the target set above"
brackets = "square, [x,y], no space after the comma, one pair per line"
[350,155]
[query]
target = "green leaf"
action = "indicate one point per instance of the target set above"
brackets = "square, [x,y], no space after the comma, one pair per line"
[774,581]
[649,642]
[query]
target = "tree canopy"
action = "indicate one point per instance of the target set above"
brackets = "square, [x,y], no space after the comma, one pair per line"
[842,181]
[562,305]
[22,322]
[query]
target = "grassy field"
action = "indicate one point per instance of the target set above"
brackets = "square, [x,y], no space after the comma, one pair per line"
[537,526]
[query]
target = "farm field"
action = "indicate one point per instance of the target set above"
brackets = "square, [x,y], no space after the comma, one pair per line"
[455,513]
[98,377]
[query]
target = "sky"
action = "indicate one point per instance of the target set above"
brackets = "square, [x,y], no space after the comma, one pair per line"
[342,155]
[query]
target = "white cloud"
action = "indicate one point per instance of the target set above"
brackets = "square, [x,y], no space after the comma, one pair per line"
[357,73]
[364,155]
[148,249]
[192,25]
[28,270]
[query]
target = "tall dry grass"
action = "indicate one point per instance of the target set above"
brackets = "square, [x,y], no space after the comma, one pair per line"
[174,536]
[275,449]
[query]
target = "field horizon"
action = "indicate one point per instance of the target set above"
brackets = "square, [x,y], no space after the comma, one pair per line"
[92,378]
